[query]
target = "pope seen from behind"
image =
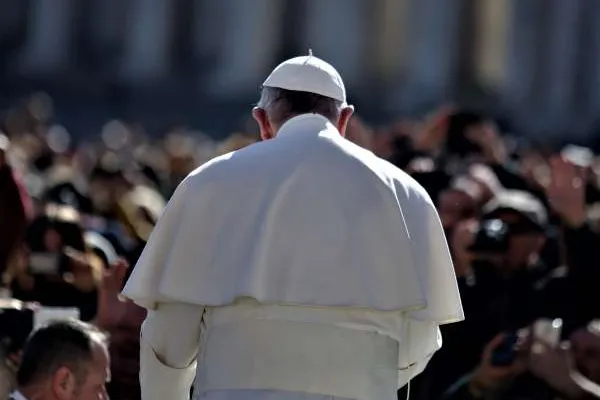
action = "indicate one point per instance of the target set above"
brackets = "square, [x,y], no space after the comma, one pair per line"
[301,267]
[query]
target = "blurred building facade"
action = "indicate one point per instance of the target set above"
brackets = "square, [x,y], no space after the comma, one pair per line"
[536,62]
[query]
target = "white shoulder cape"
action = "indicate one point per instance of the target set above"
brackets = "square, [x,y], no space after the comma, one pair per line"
[307,218]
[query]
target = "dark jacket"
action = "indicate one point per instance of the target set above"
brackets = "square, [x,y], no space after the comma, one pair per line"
[13,215]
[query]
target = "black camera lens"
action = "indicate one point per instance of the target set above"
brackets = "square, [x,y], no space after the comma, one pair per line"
[491,237]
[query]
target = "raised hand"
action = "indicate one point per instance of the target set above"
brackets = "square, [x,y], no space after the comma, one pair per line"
[488,138]
[551,365]
[566,191]
[488,377]
[112,309]
[430,135]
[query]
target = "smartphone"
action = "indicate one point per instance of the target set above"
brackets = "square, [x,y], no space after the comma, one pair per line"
[44,263]
[548,331]
[44,315]
[505,354]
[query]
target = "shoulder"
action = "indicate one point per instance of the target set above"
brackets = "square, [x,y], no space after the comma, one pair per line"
[404,184]
[201,176]
[218,165]
[406,187]
[233,165]
[214,164]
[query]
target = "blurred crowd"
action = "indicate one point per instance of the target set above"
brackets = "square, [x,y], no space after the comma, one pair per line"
[522,221]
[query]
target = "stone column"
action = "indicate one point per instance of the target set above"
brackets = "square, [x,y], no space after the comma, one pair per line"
[337,30]
[492,29]
[589,68]
[11,17]
[435,42]
[560,61]
[391,39]
[147,50]
[207,28]
[108,24]
[525,42]
[248,39]
[48,46]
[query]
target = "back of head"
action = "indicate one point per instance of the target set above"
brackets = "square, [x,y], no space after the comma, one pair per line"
[60,345]
[304,85]
[282,104]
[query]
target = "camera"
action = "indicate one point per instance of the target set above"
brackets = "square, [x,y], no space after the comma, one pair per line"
[491,237]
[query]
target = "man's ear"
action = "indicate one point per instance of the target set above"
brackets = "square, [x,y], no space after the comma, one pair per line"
[266,130]
[63,384]
[344,119]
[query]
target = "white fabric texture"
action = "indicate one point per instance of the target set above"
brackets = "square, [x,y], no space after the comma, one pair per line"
[173,333]
[262,395]
[168,347]
[306,238]
[307,218]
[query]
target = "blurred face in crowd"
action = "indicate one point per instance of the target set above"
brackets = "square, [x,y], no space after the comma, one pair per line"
[585,346]
[456,205]
[525,242]
[52,241]
[105,192]
[100,194]
[524,248]
[91,386]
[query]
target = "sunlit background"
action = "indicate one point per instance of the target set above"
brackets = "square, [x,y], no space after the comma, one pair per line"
[107,105]
[533,63]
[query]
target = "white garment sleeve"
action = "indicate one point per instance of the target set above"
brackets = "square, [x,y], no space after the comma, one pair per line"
[169,344]
[421,340]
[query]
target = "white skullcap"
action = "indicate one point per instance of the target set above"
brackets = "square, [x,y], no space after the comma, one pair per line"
[308,74]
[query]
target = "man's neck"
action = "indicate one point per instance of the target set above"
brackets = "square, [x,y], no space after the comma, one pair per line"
[309,118]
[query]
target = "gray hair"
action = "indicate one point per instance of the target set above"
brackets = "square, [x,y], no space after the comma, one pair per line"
[282,104]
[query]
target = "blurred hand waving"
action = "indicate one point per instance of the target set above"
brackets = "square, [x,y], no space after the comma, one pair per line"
[111,308]
[566,191]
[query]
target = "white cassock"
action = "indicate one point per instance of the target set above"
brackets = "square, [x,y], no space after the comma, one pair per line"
[303,267]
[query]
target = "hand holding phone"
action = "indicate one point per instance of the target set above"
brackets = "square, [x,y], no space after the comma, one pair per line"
[505,353]
[501,362]
[546,333]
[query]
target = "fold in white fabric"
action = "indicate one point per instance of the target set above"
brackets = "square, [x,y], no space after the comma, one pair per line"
[262,395]
[307,218]
[170,337]
[340,352]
